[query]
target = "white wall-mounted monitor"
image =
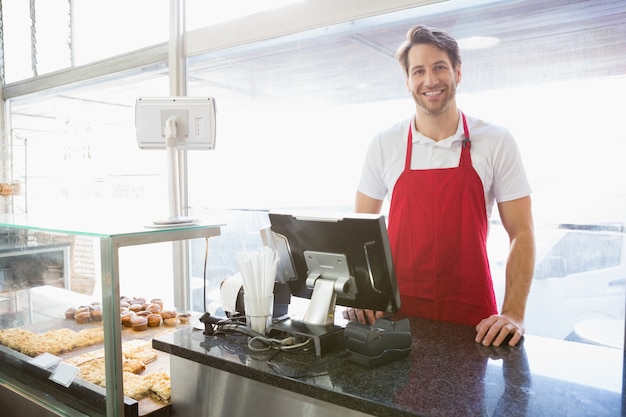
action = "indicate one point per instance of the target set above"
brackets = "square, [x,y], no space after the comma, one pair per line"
[194,119]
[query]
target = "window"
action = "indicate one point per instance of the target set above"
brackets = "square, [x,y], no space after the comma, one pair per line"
[586,251]
[47,36]
[296,113]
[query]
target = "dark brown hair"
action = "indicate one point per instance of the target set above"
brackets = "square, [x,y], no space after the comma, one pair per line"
[420,34]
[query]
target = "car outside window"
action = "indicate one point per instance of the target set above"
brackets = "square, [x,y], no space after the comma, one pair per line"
[582,252]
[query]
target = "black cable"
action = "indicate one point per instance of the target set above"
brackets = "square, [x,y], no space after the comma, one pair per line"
[237,324]
[206,259]
[308,373]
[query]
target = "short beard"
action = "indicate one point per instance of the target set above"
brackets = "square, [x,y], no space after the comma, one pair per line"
[419,102]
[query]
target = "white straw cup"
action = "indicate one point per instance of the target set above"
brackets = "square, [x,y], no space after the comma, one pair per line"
[258,311]
[258,273]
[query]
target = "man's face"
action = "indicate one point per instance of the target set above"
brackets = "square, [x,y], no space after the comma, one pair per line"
[431,79]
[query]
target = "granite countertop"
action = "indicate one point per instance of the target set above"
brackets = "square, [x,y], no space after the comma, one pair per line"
[445,374]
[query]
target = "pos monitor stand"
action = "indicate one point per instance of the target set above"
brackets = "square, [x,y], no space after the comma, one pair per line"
[333,259]
[175,123]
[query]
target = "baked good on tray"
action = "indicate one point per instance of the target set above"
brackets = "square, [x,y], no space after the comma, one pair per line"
[139,323]
[136,354]
[130,308]
[138,384]
[160,388]
[56,342]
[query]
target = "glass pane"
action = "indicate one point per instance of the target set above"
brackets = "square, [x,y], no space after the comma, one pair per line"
[296,114]
[58,298]
[109,28]
[53,36]
[579,276]
[585,251]
[100,30]
[17,40]
[82,151]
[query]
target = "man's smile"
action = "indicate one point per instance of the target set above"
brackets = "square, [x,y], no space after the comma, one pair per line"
[432,93]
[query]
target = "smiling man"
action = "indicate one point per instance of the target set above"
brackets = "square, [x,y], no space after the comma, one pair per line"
[443,172]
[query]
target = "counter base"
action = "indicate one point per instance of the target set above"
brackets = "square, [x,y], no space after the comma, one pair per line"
[202,391]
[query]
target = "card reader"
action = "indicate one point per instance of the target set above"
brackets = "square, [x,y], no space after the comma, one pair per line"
[382,342]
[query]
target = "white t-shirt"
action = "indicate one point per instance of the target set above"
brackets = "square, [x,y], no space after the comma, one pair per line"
[495,157]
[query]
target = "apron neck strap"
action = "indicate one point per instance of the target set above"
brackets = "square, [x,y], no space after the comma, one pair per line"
[409,148]
[466,139]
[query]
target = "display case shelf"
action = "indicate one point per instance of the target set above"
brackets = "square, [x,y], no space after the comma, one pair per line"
[111,232]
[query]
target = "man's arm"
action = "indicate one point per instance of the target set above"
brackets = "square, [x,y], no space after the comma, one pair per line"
[365,204]
[517,220]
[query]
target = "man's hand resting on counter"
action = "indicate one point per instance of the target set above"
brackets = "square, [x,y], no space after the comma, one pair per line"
[496,329]
[492,331]
[362,316]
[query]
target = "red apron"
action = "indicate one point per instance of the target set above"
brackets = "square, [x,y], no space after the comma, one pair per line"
[438,235]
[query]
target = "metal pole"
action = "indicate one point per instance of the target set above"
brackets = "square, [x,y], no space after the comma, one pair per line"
[178,87]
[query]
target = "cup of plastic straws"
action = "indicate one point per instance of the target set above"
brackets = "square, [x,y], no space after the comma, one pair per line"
[258,311]
[258,273]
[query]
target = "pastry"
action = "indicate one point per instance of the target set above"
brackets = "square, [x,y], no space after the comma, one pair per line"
[161,386]
[184,318]
[137,300]
[157,301]
[127,317]
[81,309]
[168,314]
[153,307]
[96,314]
[139,349]
[55,342]
[139,323]
[136,307]
[136,386]
[172,321]
[82,317]
[154,320]
[69,313]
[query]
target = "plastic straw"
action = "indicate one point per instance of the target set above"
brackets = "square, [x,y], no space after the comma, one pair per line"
[258,273]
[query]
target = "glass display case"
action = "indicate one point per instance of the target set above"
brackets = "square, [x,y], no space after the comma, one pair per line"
[67,348]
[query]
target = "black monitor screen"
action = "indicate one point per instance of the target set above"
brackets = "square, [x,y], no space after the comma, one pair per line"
[339,259]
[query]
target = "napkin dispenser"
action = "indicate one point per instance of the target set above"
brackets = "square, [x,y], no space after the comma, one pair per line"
[377,344]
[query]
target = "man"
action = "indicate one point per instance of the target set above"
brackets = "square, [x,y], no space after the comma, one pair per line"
[444,171]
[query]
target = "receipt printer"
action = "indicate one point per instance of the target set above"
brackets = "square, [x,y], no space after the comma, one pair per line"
[382,342]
